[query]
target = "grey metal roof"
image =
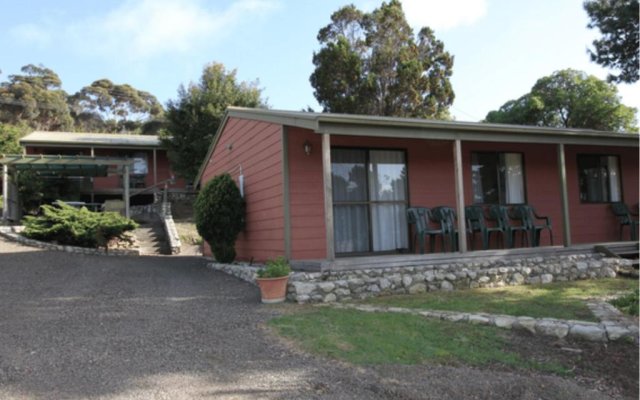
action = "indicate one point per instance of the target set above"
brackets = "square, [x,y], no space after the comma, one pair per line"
[323,122]
[75,139]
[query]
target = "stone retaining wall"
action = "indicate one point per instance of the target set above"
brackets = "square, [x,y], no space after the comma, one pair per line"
[331,286]
[603,331]
[11,234]
[170,228]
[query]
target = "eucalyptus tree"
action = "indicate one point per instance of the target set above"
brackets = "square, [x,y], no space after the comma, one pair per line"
[35,97]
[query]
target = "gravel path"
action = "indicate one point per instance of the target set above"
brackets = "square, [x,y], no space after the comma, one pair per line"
[89,327]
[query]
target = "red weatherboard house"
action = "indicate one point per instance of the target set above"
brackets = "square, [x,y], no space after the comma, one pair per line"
[321,187]
[150,163]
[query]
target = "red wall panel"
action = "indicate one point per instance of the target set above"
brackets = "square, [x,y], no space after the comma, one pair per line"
[595,222]
[256,147]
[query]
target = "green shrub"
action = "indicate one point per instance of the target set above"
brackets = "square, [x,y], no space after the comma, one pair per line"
[219,215]
[275,269]
[628,303]
[68,225]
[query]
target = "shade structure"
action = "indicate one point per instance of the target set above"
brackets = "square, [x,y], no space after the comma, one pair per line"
[48,165]
[62,166]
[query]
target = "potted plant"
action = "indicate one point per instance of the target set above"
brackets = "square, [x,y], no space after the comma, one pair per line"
[272,280]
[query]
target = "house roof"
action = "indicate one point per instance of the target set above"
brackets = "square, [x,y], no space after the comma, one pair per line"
[75,139]
[416,128]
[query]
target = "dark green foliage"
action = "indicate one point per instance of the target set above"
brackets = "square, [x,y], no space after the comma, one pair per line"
[105,106]
[35,98]
[68,225]
[31,191]
[193,119]
[10,136]
[275,269]
[224,253]
[371,63]
[219,215]
[618,48]
[628,303]
[569,99]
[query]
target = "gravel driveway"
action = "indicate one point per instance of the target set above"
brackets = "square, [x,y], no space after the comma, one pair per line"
[87,327]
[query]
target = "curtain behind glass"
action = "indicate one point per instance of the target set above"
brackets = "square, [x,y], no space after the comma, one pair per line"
[388,182]
[514,179]
[349,180]
[614,179]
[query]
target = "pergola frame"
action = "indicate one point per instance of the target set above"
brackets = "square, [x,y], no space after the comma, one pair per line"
[64,166]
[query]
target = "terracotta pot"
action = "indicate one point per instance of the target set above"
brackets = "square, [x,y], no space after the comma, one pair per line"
[273,290]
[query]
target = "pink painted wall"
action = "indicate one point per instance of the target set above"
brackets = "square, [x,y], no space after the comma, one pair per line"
[306,196]
[257,147]
[595,222]
[431,183]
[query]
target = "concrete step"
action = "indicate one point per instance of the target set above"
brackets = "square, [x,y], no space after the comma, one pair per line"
[151,236]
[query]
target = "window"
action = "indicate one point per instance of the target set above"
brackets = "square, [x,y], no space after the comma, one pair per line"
[497,178]
[369,200]
[599,178]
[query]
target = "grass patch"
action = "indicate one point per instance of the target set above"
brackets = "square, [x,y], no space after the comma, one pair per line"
[628,303]
[563,300]
[188,232]
[390,338]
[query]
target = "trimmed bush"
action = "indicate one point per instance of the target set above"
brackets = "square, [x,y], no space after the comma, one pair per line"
[67,225]
[219,213]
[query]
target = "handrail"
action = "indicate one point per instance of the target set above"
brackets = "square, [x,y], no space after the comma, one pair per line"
[148,188]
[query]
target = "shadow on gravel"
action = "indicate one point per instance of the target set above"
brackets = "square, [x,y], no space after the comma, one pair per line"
[84,327]
[74,326]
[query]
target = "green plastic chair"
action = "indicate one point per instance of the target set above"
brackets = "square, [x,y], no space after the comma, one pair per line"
[446,217]
[621,211]
[500,214]
[420,217]
[528,217]
[475,217]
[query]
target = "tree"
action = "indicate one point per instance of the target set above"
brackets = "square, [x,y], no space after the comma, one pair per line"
[219,212]
[108,107]
[36,98]
[370,63]
[9,138]
[569,99]
[618,48]
[193,119]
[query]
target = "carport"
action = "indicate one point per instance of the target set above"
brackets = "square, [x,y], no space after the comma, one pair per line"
[60,166]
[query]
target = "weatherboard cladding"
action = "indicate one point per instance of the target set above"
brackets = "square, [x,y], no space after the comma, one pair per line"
[256,147]
[360,125]
[594,222]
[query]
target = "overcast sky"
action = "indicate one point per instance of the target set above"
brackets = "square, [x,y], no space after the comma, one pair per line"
[501,47]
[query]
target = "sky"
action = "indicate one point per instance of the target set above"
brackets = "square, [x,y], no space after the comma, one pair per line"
[500,47]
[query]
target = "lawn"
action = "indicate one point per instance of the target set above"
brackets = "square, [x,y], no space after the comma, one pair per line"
[563,300]
[390,338]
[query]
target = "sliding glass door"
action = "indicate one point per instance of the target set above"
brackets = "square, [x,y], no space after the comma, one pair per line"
[369,200]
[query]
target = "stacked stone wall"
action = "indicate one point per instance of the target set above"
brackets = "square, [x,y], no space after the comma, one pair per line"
[332,286]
